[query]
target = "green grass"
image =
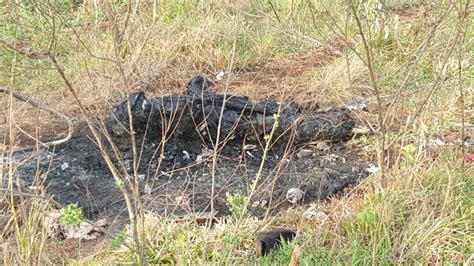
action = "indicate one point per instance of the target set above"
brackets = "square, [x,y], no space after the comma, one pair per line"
[203,40]
[422,214]
[31,27]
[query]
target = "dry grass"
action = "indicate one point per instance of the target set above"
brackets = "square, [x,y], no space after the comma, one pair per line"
[422,212]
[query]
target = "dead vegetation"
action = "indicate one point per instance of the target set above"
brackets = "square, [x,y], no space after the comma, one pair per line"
[414,70]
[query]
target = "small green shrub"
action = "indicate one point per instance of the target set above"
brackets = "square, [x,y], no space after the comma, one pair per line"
[236,203]
[71,215]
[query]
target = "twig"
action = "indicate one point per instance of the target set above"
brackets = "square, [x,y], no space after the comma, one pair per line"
[45,108]
[373,79]
[459,34]
[462,15]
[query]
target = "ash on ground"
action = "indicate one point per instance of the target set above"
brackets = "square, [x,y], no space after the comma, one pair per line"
[176,177]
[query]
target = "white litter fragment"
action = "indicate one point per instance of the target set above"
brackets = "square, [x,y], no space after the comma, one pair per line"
[220,75]
[437,142]
[249,147]
[186,155]
[256,204]
[360,131]
[361,104]
[372,169]
[294,195]
[205,153]
[64,166]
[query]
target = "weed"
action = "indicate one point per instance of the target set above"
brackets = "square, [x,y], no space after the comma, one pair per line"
[420,214]
[71,215]
[236,203]
[409,153]
[119,239]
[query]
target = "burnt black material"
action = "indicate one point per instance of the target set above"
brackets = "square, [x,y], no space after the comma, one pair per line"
[173,133]
[196,114]
[265,242]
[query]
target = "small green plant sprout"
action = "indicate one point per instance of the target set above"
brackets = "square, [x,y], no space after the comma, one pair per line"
[409,153]
[119,183]
[71,215]
[236,203]
[276,118]
[119,239]
[266,137]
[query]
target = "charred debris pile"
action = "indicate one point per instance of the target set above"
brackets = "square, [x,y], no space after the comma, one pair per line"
[183,127]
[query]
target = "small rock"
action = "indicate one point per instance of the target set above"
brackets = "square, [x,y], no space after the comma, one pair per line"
[312,213]
[294,195]
[85,230]
[51,223]
[322,217]
[323,146]
[304,153]
[101,223]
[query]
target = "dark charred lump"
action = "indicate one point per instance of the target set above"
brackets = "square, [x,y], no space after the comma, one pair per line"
[197,114]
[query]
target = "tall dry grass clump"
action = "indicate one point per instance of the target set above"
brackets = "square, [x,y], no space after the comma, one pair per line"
[406,61]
